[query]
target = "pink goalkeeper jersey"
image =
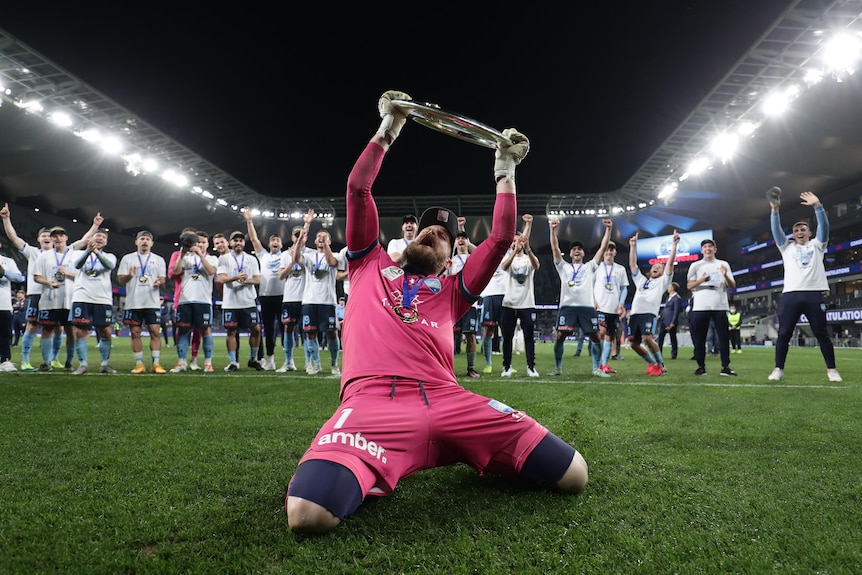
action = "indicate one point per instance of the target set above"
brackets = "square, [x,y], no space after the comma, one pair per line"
[393,339]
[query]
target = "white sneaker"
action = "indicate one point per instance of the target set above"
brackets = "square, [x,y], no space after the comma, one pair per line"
[776,375]
[532,372]
[179,367]
[8,366]
[312,369]
[833,375]
[335,370]
[282,369]
[194,365]
[269,363]
[506,373]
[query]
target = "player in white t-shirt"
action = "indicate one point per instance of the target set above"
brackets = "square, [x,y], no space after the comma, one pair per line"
[610,290]
[55,270]
[319,299]
[143,273]
[649,290]
[239,274]
[195,309]
[293,274]
[408,229]
[269,292]
[577,310]
[93,301]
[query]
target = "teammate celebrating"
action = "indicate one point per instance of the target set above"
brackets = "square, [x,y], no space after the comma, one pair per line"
[577,305]
[804,284]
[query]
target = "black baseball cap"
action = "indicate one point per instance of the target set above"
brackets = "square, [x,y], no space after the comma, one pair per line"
[612,244]
[576,244]
[237,234]
[708,241]
[43,230]
[143,233]
[409,218]
[296,230]
[56,230]
[437,216]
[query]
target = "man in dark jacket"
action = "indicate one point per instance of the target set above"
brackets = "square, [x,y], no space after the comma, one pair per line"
[669,319]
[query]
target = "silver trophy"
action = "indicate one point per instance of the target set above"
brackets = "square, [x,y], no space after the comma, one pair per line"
[456,125]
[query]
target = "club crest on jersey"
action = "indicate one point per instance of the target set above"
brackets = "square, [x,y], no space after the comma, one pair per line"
[434,284]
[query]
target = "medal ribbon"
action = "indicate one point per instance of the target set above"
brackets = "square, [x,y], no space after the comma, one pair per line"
[410,291]
[143,265]
[239,264]
[93,260]
[575,272]
[60,260]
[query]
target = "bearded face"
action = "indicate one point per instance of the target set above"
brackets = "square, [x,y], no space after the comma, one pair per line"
[429,252]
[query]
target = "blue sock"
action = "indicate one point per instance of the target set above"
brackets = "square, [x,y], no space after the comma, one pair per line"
[559,349]
[26,346]
[105,349]
[81,349]
[606,352]
[334,348]
[207,346]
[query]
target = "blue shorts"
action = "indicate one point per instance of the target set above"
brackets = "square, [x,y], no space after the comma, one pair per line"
[291,312]
[243,318]
[318,317]
[469,322]
[194,315]
[492,310]
[33,307]
[139,317]
[84,314]
[641,325]
[572,317]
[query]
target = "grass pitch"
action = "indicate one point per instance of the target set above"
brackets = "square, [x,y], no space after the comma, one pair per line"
[186,473]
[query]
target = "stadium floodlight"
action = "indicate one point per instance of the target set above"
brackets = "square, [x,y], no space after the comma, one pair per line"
[724,146]
[841,53]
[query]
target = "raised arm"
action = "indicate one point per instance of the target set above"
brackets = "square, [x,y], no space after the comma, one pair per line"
[810,199]
[553,226]
[671,258]
[84,240]
[252,233]
[606,239]
[633,254]
[6,214]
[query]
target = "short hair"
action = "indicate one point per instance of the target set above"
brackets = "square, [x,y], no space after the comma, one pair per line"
[219,235]
[675,286]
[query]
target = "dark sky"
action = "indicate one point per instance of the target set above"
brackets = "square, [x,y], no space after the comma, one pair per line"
[284,101]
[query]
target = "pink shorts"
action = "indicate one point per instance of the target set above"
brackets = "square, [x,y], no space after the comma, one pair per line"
[383,434]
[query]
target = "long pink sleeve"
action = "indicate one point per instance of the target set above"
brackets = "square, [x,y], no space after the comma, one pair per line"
[482,263]
[363,224]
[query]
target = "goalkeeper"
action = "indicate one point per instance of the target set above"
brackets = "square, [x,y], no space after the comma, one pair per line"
[403,410]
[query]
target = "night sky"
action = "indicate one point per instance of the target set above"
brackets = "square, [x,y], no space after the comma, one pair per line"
[285,102]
